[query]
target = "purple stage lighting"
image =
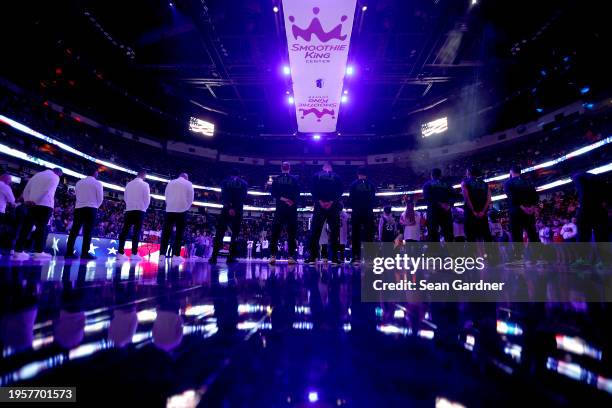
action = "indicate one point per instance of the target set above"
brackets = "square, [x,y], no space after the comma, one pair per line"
[286,70]
[171,4]
[290,100]
[344,99]
[364,8]
[275,9]
[316,137]
[346,92]
[350,70]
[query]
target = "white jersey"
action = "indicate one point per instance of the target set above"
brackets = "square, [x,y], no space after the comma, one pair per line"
[412,232]
[6,196]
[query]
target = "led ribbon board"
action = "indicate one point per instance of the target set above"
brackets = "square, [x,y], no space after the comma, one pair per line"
[318,38]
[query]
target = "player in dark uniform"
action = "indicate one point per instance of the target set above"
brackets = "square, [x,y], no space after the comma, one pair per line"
[286,191]
[522,201]
[439,197]
[362,196]
[387,226]
[477,198]
[592,217]
[233,196]
[326,192]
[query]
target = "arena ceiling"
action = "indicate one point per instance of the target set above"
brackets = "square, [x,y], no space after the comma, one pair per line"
[151,64]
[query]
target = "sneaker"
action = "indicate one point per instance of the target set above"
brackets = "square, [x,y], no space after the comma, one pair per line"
[231,260]
[272,260]
[324,260]
[178,258]
[136,257]
[291,261]
[70,256]
[20,256]
[43,256]
[122,257]
[335,262]
[357,261]
[212,260]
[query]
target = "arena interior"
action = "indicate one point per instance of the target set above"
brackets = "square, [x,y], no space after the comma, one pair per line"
[186,187]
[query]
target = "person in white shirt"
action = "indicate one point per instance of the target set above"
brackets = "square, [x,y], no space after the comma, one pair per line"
[6,198]
[249,249]
[411,221]
[544,232]
[6,193]
[137,197]
[258,249]
[265,245]
[39,196]
[89,196]
[179,197]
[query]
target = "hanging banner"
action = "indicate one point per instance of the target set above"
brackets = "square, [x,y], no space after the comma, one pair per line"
[318,38]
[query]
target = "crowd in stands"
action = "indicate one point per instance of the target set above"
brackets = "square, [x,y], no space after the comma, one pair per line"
[548,144]
[556,210]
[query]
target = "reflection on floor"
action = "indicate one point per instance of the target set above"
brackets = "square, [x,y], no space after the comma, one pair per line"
[251,334]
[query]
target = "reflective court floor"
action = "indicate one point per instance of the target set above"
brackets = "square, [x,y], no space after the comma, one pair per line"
[254,335]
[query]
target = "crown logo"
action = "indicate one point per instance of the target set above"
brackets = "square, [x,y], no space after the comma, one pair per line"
[318,113]
[316,29]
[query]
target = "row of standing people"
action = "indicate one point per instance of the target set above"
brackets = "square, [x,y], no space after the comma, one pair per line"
[326,190]
[440,198]
[35,207]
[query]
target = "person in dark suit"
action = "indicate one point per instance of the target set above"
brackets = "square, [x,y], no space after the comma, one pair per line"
[326,192]
[233,196]
[286,191]
[439,197]
[362,198]
[522,202]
